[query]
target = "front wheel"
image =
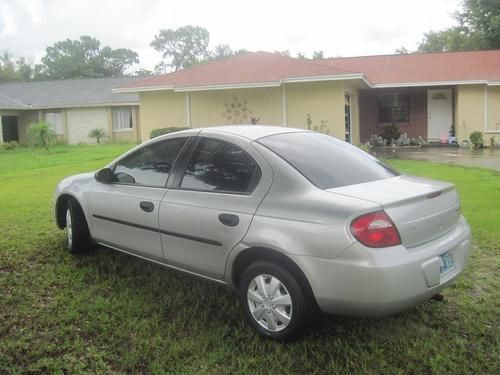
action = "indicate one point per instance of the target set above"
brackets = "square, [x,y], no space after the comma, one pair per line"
[273,302]
[77,230]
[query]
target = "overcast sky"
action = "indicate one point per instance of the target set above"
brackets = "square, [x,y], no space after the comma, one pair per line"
[339,28]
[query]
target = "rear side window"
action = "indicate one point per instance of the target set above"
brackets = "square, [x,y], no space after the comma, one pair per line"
[220,166]
[150,165]
[327,161]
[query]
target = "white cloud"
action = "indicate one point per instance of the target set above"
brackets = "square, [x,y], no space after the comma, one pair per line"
[355,27]
[8,26]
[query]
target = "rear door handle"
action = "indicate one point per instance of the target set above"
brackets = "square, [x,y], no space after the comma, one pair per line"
[229,219]
[147,206]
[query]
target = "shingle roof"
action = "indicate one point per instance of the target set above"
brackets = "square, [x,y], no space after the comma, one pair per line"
[423,67]
[65,93]
[263,67]
[248,68]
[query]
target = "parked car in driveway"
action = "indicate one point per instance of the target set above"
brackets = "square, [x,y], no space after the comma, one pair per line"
[292,219]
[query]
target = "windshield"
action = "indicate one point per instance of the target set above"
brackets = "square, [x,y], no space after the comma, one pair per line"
[327,161]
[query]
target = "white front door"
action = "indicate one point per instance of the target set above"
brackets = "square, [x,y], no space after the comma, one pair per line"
[439,113]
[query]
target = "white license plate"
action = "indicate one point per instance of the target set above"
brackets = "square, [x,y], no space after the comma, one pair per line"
[447,262]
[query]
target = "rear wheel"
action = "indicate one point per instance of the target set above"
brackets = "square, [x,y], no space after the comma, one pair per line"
[273,302]
[77,230]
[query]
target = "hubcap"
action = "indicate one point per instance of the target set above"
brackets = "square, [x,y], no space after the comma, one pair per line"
[69,228]
[270,303]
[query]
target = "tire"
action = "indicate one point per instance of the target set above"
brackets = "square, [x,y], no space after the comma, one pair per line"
[77,231]
[283,313]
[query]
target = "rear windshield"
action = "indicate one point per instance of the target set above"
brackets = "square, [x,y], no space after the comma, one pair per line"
[327,161]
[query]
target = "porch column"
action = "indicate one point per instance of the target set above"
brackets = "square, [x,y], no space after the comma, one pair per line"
[485,108]
[283,104]
[188,110]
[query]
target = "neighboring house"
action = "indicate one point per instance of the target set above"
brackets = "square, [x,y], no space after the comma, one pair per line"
[424,94]
[72,107]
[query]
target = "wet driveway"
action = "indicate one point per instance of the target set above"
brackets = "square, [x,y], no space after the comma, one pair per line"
[485,158]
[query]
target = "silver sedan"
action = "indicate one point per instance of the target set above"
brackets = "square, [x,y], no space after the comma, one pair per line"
[293,220]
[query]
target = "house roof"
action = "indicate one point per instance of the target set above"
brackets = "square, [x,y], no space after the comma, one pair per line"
[256,69]
[65,93]
[423,67]
[249,69]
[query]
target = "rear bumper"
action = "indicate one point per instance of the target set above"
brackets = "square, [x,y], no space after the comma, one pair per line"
[375,282]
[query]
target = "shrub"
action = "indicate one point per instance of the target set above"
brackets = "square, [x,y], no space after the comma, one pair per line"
[476,138]
[9,145]
[98,134]
[391,133]
[41,134]
[157,132]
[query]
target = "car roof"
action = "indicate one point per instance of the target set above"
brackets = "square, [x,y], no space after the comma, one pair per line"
[252,132]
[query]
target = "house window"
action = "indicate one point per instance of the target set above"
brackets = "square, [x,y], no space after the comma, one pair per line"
[393,108]
[55,119]
[122,118]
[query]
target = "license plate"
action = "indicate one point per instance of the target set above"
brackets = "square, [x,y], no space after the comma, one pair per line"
[447,262]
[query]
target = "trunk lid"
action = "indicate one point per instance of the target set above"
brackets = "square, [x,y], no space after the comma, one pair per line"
[422,209]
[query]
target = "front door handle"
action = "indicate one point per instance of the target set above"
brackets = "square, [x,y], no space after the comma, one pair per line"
[229,219]
[147,206]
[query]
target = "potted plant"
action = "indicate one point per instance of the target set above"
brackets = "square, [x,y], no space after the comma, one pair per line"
[476,139]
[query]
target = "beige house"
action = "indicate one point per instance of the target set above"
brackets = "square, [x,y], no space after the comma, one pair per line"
[425,95]
[72,107]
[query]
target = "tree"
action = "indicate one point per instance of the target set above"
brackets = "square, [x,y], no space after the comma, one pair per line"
[25,69]
[8,72]
[402,51]
[301,55]
[182,47]
[84,58]
[285,53]
[478,28]
[318,55]
[221,51]
[41,134]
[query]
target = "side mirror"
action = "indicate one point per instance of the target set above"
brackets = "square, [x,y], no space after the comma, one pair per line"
[105,176]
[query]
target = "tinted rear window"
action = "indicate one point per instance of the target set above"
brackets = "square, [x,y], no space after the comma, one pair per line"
[327,161]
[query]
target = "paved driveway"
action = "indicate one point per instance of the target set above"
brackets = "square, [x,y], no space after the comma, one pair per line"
[485,158]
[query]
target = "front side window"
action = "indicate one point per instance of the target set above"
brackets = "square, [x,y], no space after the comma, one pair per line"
[393,108]
[150,165]
[326,161]
[220,166]
[122,118]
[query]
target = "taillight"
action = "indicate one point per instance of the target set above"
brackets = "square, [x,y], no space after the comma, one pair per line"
[375,229]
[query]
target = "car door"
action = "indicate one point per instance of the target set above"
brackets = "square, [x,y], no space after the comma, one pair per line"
[211,203]
[124,214]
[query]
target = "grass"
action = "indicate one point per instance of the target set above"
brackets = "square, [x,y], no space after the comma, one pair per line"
[111,313]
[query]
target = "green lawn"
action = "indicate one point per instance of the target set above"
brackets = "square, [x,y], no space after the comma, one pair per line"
[111,313]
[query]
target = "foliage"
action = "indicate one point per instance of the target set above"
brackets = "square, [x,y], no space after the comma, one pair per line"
[478,28]
[84,58]
[41,134]
[98,134]
[12,71]
[12,145]
[476,138]
[157,132]
[142,72]
[402,51]
[182,47]
[110,313]
[309,121]
[254,120]
[322,128]
[318,55]
[391,133]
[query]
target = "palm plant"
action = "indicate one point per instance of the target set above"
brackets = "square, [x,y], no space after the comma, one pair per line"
[98,134]
[41,134]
